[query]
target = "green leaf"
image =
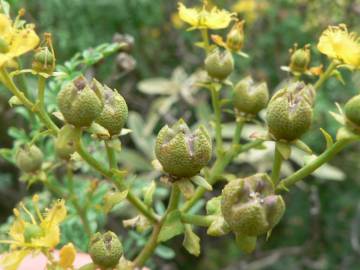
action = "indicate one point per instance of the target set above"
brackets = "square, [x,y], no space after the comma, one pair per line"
[191,241]
[213,206]
[165,252]
[186,188]
[284,149]
[201,182]
[158,86]
[14,101]
[172,226]
[5,7]
[302,146]
[329,140]
[113,198]
[149,194]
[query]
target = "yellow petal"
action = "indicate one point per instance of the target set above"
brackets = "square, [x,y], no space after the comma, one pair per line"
[218,19]
[23,41]
[188,15]
[56,214]
[17,230]
[12,260]
[67,256]
[5,27]
[50,239]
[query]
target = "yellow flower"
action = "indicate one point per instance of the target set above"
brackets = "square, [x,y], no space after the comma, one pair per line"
[34,234]
[250,9]
[202,18]
[67,256]
[15,41]
[337,43]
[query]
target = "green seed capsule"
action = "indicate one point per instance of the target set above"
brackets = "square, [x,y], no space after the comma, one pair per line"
[81,103]
[249,205]
[115,112]
[352,110]
[105,250]
[250,98]
[29,158]
[65,143]
[219,65]
[289,113]
[183,153]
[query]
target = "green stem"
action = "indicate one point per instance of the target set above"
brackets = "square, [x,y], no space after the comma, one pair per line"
[153,241]
[80,210]
[41,110]
[217,112]
[313,165]
[276,169]
[136,202]
[217,169]
[326,75]
[198,220]
[205,38]
[111,155]
[237,135]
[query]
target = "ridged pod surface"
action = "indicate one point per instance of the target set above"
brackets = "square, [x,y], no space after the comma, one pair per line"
[183,153]
[250,98]
[115,112]
[249,205]
[352,110]
[219,65]
[289,113]
[80,102]
[29,158]
[105,250]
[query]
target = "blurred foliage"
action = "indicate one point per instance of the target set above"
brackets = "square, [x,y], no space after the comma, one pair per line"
[323,229]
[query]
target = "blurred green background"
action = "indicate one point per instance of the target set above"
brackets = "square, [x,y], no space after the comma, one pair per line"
[321,229]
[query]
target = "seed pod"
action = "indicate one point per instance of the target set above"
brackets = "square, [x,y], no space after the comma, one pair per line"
[29,158]
[300,60]
[352,110]
[81,103]
[183,153]
[65,143]
[219,65]
[115,112]
[43,61]
[105,250]
[249,205]
[289,113]
[250,98]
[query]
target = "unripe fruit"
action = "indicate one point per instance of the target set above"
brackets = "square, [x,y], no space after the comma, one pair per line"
[29,158]
[105,250]
[250,98]
[44,61]
[300,60]
[289,113]
[183,153]
[80,102]
[65,143]
[219,65]
[249,205]
[115,112]
[352,110]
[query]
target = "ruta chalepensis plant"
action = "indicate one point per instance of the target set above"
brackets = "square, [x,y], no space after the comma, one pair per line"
[85,125]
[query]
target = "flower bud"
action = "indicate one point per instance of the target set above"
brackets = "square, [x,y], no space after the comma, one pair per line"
[352,110]
[249,205]
[235,37]
[219,65]
[125,62]
[300,60]
[80,102]
[44,61]
[289,113]
[65,143]
[249,97]
[115,112]
[183,153]
[29,158]
[105,250]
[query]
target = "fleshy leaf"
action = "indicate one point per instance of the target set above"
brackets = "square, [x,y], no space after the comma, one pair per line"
[172,226]
[191,241]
